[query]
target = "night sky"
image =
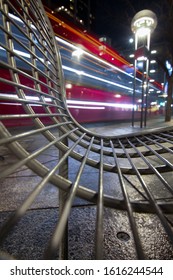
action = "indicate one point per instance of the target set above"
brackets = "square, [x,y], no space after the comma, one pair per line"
[113,17]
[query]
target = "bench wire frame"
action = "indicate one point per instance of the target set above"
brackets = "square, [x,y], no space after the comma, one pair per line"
[39,62]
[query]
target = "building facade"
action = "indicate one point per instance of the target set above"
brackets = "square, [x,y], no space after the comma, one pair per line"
[80,12]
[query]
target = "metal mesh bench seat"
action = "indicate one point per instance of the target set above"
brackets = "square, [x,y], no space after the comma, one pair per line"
[108,197]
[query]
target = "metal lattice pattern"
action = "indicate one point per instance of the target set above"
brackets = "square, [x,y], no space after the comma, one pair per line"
[141,164]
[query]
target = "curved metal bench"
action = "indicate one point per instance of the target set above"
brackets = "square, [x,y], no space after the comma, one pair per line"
[127,201]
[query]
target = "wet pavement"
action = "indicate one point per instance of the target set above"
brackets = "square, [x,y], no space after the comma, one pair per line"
[123,128]
[28,239]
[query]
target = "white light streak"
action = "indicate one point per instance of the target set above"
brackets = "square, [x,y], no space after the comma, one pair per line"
[24,54]
[19,20]
[105,104]
[15,18]
[28,97]
[93,57]
[92,105]
[86,107]
[94,77]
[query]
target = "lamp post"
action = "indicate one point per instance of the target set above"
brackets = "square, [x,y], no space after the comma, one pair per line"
[142,25]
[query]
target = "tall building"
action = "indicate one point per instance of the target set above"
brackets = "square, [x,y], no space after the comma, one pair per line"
[80,12]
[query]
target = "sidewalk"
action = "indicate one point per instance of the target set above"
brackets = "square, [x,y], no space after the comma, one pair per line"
[122,128]
[28,240]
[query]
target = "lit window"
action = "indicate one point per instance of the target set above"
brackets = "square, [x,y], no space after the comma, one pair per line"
[153,51]
[152,71]
[142,58]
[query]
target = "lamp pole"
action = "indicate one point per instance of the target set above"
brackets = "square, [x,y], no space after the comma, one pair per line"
[142,25]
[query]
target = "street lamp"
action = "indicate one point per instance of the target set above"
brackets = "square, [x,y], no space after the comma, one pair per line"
[142,25]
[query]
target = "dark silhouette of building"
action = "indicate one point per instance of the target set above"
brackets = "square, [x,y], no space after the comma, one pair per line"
[80,12]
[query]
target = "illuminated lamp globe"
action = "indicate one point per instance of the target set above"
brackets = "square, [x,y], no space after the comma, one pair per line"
[144,22]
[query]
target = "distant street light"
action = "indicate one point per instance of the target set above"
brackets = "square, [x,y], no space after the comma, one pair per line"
[142,25]
[131,40]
